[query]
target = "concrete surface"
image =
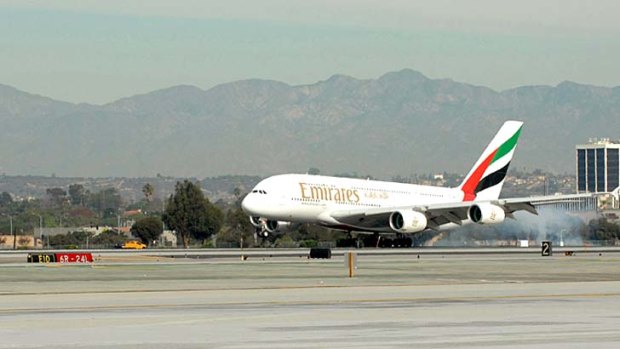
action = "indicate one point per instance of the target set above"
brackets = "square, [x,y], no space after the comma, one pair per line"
[400,301]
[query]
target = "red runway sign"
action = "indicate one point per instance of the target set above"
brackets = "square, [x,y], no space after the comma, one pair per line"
[74,257]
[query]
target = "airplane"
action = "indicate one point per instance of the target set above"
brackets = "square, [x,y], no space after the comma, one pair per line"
[281,203]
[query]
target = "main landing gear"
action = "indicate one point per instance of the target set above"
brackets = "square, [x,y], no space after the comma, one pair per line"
[350,241]
[385,241]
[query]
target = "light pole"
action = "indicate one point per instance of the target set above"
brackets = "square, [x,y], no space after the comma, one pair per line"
[40,231]
[12,233]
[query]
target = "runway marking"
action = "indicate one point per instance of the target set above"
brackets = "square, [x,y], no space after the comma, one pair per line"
[315,303]
[236,289]
[296,287]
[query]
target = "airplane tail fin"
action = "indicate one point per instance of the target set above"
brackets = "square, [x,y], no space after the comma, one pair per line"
[486,178]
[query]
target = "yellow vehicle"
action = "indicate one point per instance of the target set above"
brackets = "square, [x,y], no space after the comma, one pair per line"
[133,244]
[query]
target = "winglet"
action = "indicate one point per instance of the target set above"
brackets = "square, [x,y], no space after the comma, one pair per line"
[486,178]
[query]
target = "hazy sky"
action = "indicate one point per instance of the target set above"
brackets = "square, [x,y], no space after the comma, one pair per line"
[98,51]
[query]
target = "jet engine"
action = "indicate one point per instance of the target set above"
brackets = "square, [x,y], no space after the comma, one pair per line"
[272,226]
[408,221]
[486,214]
[264,227]
[280,226]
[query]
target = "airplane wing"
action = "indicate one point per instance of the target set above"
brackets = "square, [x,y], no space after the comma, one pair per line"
[377,219]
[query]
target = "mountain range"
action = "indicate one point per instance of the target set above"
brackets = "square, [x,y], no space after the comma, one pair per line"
[401,123]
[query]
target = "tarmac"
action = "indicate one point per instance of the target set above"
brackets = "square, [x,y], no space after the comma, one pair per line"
[393,301]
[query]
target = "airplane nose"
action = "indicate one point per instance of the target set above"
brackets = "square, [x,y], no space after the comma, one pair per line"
[248,204]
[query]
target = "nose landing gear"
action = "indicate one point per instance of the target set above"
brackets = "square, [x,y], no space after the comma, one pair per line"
[262,233]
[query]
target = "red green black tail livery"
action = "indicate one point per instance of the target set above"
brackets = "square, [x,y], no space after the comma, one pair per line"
[485,180]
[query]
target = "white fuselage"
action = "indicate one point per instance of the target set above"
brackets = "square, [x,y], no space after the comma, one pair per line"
[307,198]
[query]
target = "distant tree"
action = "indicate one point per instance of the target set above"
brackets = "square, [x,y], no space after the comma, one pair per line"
[238,228]
[77,238]
[57,196]
[285,241]
[148,190]
[107,202]
[314,171]
[190,214]
[5,199]
[77,194]
[147,229]
[213,221]
[109,238]
[602,229]
[237,193]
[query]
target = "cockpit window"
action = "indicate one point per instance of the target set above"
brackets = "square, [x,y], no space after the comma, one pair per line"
[259,191]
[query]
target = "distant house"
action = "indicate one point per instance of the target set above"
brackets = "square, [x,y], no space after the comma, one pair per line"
[168,239]
[58,230]
[132,213]
[125,230]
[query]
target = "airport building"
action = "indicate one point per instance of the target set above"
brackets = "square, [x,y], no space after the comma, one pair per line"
[598,167]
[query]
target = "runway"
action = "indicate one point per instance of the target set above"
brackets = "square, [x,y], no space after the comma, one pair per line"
[116,255]
[394,301]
